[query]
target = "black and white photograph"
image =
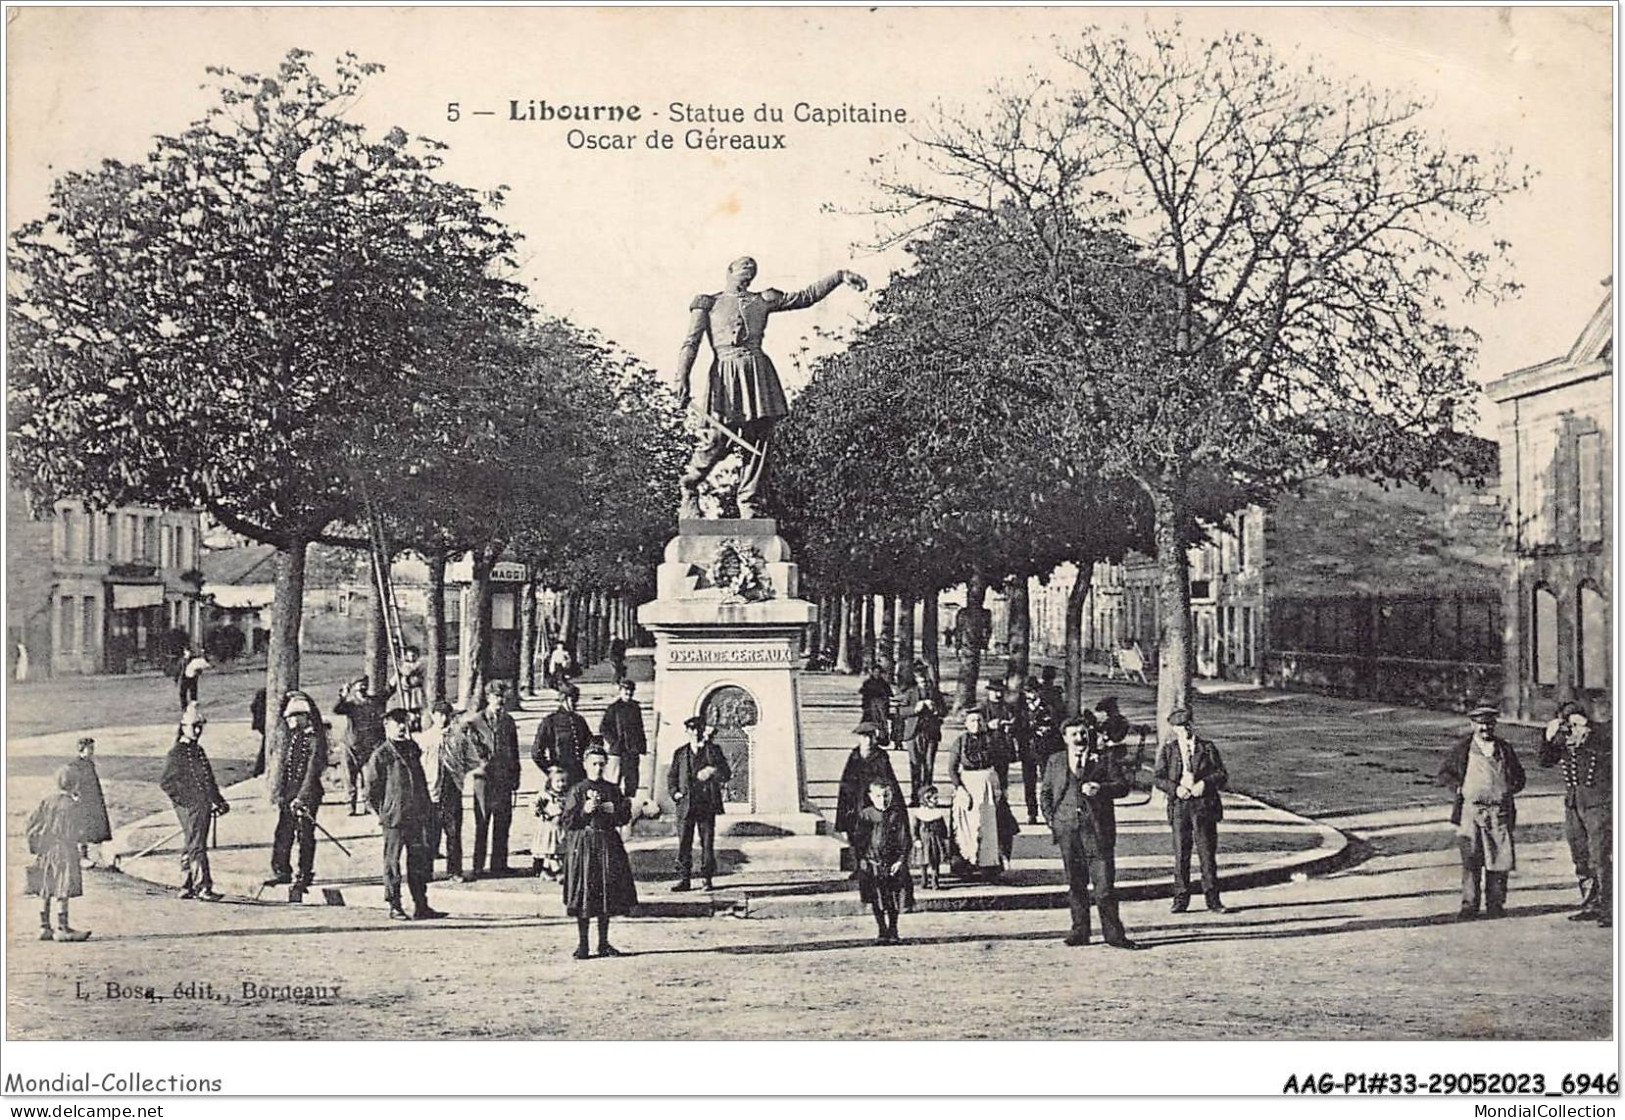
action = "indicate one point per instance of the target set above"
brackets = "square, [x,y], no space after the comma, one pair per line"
[811,525]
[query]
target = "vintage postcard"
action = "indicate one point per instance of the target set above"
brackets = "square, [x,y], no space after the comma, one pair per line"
[811,525]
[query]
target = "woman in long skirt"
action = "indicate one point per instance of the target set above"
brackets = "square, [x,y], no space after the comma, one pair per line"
[597,875]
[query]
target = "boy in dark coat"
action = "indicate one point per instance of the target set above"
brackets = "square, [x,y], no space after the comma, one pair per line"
[1586,752]
[1191,773]
[883,875]
[399,793]
[53,839]
[1484,772]
[699,773]
[94,827]
[189,783]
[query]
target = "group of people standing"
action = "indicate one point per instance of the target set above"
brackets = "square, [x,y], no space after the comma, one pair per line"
[1071,770]
[415,773]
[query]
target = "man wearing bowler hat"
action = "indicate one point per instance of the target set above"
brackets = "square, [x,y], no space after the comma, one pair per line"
[1485,774]
[1191,773]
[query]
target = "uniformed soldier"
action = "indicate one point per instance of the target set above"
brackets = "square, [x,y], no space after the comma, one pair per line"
[1585,752]
[188,781]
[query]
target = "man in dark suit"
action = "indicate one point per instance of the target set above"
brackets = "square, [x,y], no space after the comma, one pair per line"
[1585,751]
[399,793]
[491,745]
[622,730]
[1080,781]
[699,772]
[1191,773]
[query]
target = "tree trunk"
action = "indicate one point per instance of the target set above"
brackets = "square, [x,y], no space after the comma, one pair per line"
[377,643]
[477,648]
[866,653]
[832,635]
[1019,632]
[887,638]
[1075,600]
[970,643]
[434,653]
[929,632]
[1168,501]
[282,658]
[905,630]
[568,621]
[527,636]
[852,634]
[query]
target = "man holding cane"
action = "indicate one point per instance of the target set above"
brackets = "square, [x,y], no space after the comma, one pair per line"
[298,794]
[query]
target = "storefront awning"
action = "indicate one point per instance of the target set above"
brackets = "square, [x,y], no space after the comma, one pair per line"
[129,596]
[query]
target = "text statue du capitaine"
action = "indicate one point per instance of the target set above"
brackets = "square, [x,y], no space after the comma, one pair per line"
[742,398]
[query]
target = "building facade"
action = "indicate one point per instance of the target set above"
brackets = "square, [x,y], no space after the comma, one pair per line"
[1349,588]
[100,591]
[1557,436]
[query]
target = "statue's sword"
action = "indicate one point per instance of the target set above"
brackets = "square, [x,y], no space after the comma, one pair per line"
[711,421]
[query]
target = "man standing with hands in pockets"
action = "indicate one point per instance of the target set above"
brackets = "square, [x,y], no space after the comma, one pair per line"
[1080,782]
[1191,773]
[698,773]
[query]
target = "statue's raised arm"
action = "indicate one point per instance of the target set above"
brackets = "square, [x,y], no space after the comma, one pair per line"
[741,398]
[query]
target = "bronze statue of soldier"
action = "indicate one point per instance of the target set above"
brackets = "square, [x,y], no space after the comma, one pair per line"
[742,398]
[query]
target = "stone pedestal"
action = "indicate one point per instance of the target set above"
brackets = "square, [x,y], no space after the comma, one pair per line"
[731,653]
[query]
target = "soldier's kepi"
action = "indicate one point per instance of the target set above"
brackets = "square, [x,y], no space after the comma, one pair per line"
[742,398]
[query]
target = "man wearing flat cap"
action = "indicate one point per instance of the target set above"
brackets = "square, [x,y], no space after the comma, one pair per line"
[399,792]
[1191,773]
[1484,773]
[696,781]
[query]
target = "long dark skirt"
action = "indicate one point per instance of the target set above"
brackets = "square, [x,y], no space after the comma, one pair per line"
[597,875]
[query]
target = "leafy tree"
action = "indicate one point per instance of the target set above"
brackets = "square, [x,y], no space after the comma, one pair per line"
[1298,242]
[237,320]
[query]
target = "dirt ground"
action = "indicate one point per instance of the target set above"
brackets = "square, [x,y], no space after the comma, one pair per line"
[1372,952]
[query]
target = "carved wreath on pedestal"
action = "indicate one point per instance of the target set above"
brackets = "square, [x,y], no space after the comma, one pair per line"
[740,570]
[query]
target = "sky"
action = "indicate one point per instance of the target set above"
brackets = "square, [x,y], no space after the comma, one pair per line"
[620,241]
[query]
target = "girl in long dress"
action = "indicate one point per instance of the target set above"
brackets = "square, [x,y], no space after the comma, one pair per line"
[53,839]
[597,875]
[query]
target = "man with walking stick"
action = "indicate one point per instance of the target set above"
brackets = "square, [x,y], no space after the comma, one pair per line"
[188,781]
[298,794]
